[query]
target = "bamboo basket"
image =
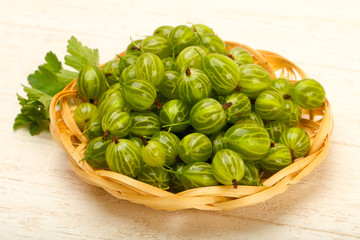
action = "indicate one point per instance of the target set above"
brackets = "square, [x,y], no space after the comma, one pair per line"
[318,124]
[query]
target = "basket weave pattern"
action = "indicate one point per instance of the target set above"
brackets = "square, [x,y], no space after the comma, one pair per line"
[318,124]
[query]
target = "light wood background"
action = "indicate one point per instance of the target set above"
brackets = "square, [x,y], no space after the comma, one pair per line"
[40,196]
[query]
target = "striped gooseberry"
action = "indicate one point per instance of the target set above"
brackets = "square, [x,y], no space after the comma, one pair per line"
[150,68]
[91,82]
[193,85]
[170,143]
[228,167]
[222,71]
[297,140]
[270,105]
[144,123]
[168,86]
[240,55]
[155,176]
[157,45]
[309,94]
[248,139]
[95,153]
[85,112]
[153,153]
[212,43]
[190,57]
[195,147]
[253,80]
[163,31]
[124,157]
[276,158]
[240,108]
[181,37]
[292,114]
[115,123]
[139,94]
[283,86]
[275,129]
[176,114]
[251,175]
[197,174]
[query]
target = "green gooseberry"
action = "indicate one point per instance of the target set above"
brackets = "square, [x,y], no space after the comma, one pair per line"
[251,175]
[157,45]
[128,73]
[275,129]
[212,43]
[85,112]
[216,142]
[175,112]
[240,106]
[228,167]
[240,55]
[197,174]
[309,94]
[190,57]
[202,29]
[155,176]
[115,123]
[137,141]
[93,129]
[91,82]
[124,157]
[222,71]
[149,67]
[207,116]
[170,143]
[95,153]
[195,147]
[176,184]
[193,85]
[139,94]
[153,153]
[276,158]
[248,139]
[292,114]
[181,37]
[126,61]
[112,71]
[270,105]
[133,48]
[115,100]
[168,86]
[163,31]
[255,117]
[283,86]
[253,80]
[169,63]
[144,123]
[297,140]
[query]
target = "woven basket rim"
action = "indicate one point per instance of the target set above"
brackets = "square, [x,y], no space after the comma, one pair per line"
[319,125]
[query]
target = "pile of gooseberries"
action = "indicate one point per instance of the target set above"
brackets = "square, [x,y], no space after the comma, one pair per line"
[179,111]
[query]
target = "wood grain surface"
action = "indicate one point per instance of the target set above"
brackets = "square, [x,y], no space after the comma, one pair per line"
[40,196]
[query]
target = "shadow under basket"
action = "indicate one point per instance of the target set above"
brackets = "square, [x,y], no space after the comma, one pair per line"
[317,123]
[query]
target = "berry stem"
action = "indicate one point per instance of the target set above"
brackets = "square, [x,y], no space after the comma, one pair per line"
[235,183]
[143,140]
[106,134]
[158,104]
[227,105]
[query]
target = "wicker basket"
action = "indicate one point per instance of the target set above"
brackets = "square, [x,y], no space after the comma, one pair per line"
[318,123]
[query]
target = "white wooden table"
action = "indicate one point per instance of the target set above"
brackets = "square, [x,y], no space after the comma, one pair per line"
[40,196]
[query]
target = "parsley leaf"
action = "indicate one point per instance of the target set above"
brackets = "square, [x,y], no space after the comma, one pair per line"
[80,55]
[46,78]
